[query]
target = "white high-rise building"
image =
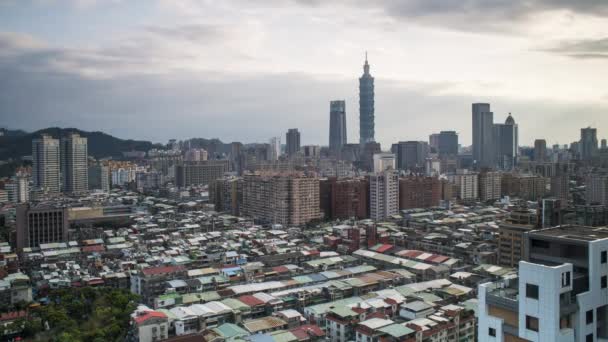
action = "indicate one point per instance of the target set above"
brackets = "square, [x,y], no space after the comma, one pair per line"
[275,148]
[74,164]
[467,183]
[384,194]
[45,167]
[559,294]
[18,189]
[383,162]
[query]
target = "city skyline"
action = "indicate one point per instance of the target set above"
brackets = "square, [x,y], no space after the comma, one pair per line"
[207,70]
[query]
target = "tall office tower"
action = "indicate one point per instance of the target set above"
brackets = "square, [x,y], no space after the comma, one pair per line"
[434,141]
[237,157]
[588,143]
[337,126]
[483,136]
[312,151]
[448,143]
[366,156]
[18,189]
[275,148]
[366,105]
[596,188]
[383,195]
[603,144]
[540,150]
[560,188]
[489,186]
[505,136]
[74,164]
[288,199]
[559,293]
[383,162]
[412,155]
[293,142]
[42,224]
[419,192]
[45,168]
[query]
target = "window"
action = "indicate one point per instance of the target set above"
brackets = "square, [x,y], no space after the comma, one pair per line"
[492,332]
[531,323]
[532,291]
[565,279]
[589,317]
[604,282]
[604,257]
[589,338]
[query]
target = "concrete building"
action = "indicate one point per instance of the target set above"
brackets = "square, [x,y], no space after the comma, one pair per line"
[559,294]
[483,136]
[511,243]
[419,192]
[150,326]
[467,184]
[384,161]
[525,186]
[312,151]
[412,155]
[337,126]
[40,225]
[540,150]
[18,189]
[292,139]
[100,178]
[74,164]
[489,186]
[434,142]
[383,195]
[195,155]
[366,106]
[560,188]
[275,148]
[596,189]
[200,173]
[46,166]
[288,199]
[226,194]
[345,198]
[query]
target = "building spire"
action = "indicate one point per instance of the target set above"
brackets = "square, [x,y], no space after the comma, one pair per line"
[366,65]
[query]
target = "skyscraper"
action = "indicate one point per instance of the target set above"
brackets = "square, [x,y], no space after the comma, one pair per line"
[483,135]
[293,142]
[588,143]
[505,136]
[411,155]
[275,148]
[337,126]
[45,168]
[540,150]
[366,105]
[448,143]
[74,168]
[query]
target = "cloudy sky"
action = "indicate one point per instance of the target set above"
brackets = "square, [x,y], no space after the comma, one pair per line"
[244,70]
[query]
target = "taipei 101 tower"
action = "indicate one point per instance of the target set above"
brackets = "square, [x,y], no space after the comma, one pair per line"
[366,105]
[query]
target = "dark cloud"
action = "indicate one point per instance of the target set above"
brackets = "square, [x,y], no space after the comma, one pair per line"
[584,49]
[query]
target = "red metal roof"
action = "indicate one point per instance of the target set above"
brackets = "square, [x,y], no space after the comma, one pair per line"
[93,248]
[383,248]
[250,300]
[280,269]
[162,270]
[9,316]
[305,331]
[148,315]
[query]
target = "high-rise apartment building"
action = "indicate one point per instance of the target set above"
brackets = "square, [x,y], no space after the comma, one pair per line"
[337,126]
[511,243]
[287,199]
[596,189]
[383,195]
[46,166]
[412,155]
[42,224]
[275,148]
[525,186]
[226,194]
[18,189]
[483,136]
[559,293]
[312,151]
[293,142]
[434,141]
[200,173]
[467,185]
[489,186]
[366,105]
[74,164]
[447,143]
[419,192]
[540,150]
[588,143]
[346,198]
[505,136]
[384,161]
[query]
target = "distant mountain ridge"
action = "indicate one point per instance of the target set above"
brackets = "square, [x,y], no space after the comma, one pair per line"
[100,145]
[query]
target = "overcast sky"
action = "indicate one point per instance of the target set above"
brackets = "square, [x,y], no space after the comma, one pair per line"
[246,70]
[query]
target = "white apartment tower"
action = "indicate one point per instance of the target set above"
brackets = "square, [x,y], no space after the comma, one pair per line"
[384,194]
[45,168]
[74,167]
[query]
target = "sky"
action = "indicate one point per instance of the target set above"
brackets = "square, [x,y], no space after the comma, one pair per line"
[243,70]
